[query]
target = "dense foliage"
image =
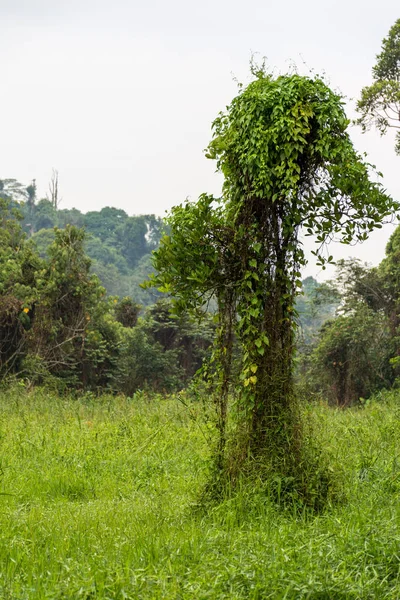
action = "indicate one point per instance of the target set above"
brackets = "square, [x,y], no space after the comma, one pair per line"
[59,327]
[120,246]
[289,165]
[358,352]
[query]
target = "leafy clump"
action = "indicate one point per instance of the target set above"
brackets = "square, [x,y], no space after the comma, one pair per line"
[379,104]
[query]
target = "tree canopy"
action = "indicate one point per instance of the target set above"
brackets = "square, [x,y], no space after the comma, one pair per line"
[119,245]
[379,104]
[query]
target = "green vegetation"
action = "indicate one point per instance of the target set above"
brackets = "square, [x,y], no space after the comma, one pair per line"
[379,104]
[119,246]
[357,352]
[196,445]
[58,327]
[289,165]
[99,500]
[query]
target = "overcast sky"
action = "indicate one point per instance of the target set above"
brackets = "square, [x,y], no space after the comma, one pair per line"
[119,95]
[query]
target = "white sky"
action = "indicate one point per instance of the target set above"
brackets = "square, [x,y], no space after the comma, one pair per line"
[119,95]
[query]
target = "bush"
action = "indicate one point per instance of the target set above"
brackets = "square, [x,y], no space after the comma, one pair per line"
[146,365]
[351,360]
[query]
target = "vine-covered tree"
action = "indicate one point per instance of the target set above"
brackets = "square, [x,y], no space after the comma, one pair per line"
[379,104]
[289,166]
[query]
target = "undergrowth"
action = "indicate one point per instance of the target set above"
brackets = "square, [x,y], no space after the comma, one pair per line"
[97,500]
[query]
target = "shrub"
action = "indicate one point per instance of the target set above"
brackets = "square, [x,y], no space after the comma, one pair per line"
[351,360]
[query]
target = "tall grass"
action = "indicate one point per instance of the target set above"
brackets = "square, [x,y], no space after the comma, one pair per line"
[97,500]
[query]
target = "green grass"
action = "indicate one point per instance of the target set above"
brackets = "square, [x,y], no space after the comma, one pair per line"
[97,497]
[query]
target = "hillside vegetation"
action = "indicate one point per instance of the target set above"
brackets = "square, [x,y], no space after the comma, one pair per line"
[118,245]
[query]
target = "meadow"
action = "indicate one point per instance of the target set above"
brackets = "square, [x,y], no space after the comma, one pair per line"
[99,500]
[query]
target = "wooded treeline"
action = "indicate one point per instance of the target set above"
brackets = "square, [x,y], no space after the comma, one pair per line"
[119,245]
[59,327]
[62,320]
[60,324]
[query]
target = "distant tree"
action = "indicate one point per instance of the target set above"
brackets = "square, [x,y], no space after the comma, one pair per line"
[19,264]
[155,230]
[127,312]
[18,261]
[352,358]
[144,295]
[44,215]
[190,339]
[42,240]
[74,336]
[356,352]
[54,197]
[31,191]
[56,322]
[111,279]
[162,351]
[103,224]
[378,288]
[388,275]
[314,306]
[71,216]
[106,253]
[132,242]
[11,189]
[379,104]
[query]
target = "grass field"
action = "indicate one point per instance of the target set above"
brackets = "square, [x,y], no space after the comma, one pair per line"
[97,501]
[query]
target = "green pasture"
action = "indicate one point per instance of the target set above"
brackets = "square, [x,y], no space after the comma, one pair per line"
[99,498]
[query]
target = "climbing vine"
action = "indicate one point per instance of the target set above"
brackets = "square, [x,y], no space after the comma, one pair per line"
[289,166]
